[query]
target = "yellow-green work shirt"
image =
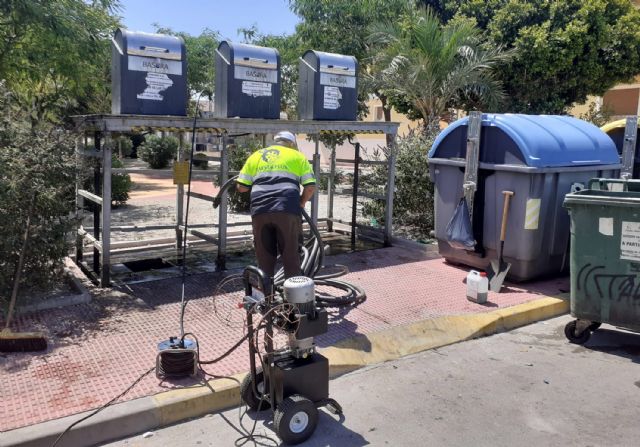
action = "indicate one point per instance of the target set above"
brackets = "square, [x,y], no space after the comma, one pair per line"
[274,175]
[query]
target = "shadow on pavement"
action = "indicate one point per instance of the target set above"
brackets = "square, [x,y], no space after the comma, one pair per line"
[615,342]
[330,431]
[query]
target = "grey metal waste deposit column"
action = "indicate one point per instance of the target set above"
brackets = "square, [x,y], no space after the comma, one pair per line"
[247,81]
[148,74]
[538,157]
[328,86]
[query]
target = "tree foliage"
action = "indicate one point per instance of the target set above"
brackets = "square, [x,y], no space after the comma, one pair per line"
[54,55]
[434,67]
[37,181]
[565,50]
[201,57]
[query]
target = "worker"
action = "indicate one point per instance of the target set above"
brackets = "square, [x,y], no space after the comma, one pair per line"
[274,176]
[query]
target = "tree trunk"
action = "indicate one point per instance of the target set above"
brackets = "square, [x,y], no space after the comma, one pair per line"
[386,111]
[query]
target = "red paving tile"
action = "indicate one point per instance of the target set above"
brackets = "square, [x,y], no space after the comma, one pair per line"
[97,349]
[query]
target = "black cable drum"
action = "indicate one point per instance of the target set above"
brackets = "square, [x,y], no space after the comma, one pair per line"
[176,358]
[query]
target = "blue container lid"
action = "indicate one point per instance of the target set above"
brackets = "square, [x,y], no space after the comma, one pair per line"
[542,140]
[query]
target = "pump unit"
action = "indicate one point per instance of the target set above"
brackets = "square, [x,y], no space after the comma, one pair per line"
[148,74]
[247,81]
[295,379]
[328,86]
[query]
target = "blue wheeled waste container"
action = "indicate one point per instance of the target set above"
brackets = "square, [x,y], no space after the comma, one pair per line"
[540,158]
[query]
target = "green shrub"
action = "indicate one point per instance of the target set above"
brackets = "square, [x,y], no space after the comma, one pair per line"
[121,184]
[200,160]
[158,151]
[238,154]
[37,180]
[338,179]
[413,198]
[121,146]
[598,116]
[136,139]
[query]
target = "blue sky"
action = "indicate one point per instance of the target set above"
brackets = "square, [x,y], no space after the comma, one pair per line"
[224,16]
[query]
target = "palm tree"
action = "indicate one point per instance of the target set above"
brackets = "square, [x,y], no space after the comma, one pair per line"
[435,67]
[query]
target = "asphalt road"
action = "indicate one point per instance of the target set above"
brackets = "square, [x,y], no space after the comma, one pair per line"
[528,387]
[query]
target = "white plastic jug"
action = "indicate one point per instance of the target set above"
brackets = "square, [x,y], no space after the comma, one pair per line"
[477,287]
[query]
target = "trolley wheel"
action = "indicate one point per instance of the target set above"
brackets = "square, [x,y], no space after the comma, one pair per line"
[247,394]
[594,326]
[295,419]
[570,332]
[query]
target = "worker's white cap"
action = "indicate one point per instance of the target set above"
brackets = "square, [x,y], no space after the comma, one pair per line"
[285,135]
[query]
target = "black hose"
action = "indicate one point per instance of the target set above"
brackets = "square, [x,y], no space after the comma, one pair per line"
[312,263]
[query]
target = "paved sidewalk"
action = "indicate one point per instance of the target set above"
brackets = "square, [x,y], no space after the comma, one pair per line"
[97,349]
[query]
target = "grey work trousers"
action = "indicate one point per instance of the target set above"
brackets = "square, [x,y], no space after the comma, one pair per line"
[273,234]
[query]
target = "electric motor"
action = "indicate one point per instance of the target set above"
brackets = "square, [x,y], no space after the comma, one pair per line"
[300,291]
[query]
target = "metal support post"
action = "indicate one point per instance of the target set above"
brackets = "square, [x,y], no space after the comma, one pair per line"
[391,180]
[105,255]
[354,205]
[629,147]
[180,202]
[79,198]
[222,214]
[470,183]
[330,187]
[316,171]
[97,186]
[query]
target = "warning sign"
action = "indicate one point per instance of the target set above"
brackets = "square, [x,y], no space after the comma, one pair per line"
[332,97]
[180,172]
[630,241]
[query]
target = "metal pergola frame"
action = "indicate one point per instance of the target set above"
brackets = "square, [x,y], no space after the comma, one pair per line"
[103,126]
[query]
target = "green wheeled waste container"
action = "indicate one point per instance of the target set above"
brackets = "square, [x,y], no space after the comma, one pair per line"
[605,257]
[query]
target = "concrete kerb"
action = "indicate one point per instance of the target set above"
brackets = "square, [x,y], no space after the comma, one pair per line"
[173,406]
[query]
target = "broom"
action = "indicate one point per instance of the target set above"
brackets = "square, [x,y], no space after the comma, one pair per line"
[21,341]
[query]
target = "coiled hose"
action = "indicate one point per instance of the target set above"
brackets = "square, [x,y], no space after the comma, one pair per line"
[312,259]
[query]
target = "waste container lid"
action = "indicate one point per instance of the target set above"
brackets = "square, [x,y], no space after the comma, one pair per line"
[547,140]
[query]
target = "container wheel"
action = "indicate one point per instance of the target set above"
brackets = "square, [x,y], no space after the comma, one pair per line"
[247,394]
[570,332]
[594,326]
[295,419]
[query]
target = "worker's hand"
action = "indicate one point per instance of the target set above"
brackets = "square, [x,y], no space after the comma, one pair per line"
[303,203]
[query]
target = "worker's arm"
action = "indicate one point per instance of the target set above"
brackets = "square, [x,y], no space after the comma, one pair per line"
[307,192]
[308,181]
[245,177]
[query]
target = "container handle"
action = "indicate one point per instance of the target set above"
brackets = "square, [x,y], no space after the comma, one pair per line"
[255,59]
[602,182]
[156,49]
[338,68]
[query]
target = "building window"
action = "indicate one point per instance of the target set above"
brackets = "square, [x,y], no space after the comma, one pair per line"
[378,113]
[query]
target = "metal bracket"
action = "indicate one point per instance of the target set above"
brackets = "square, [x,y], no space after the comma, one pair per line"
[470,183]
[629,147]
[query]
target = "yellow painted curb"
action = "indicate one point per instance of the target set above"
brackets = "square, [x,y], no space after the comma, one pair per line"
[347,355]
[396,342]
[184,403]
